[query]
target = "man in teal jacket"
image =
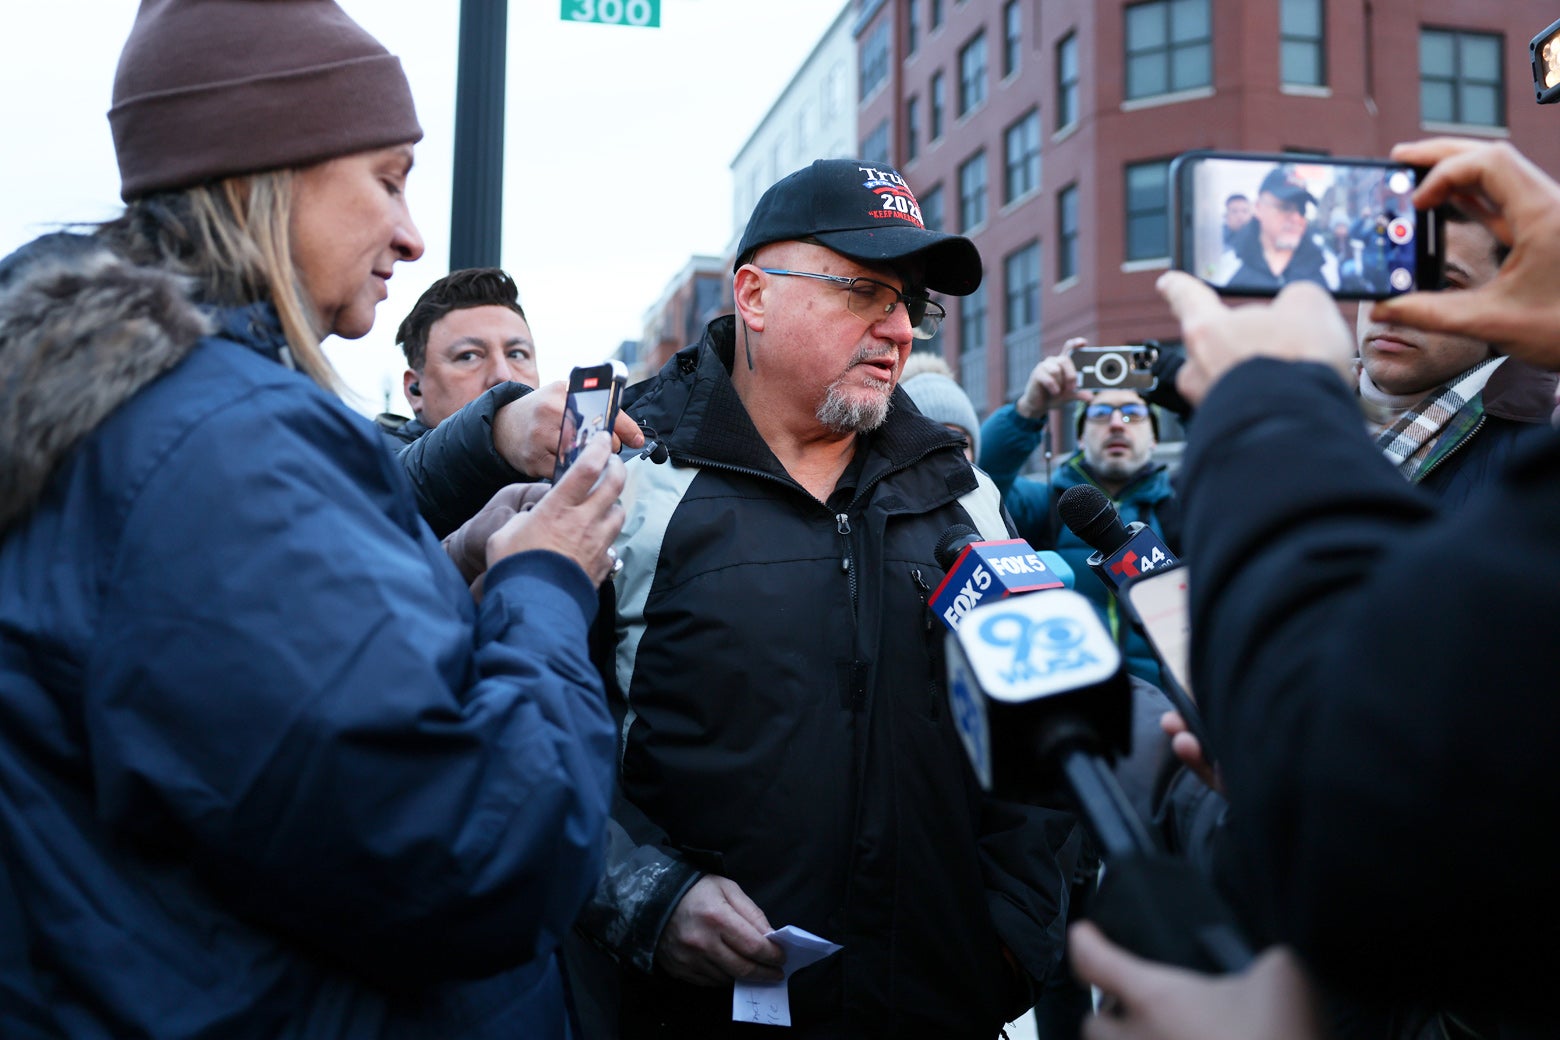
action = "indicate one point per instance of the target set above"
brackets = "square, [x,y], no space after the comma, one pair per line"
[1117,434]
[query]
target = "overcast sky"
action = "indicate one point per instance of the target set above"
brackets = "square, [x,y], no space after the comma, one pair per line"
[618,144]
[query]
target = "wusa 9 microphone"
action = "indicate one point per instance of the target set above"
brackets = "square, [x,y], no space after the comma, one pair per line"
[1037,687]
[1031,678]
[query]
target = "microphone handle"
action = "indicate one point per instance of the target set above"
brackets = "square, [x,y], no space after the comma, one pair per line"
[1155,905]
[1107,813]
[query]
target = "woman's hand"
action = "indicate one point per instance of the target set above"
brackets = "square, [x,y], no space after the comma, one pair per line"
[579,518]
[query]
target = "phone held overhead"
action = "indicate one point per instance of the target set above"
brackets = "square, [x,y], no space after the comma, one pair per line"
[1250,223]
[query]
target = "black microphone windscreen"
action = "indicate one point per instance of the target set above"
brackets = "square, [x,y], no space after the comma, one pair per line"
[952,543]
[1093,517]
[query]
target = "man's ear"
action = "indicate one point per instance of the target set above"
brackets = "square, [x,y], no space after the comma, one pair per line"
[412,388]
[747,287]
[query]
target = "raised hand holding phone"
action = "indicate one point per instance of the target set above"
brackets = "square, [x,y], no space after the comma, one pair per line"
[591,406]
[1250,223]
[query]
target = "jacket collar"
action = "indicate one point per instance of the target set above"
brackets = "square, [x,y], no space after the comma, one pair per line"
[1150,484]
[1520,392]
[82,330]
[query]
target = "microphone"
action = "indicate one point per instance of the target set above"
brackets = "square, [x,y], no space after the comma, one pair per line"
[1037,679]
[1036,682]
[980,572]
[1122,553]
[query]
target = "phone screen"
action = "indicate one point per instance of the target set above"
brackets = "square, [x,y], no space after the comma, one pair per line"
[1544,52]
[1159,600]
[590,406]
[1249,225]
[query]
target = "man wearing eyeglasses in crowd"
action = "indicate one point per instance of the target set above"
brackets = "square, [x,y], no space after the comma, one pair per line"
[1117,434]
[788,756]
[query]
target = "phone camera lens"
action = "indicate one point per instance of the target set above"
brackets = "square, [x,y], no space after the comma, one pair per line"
[1111,369]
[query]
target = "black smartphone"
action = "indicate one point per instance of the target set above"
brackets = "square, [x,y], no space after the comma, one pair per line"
[591,405]
[1116,368]
[1250,223]
[1544,53]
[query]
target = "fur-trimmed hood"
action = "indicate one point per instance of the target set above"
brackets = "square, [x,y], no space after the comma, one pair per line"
[81,331]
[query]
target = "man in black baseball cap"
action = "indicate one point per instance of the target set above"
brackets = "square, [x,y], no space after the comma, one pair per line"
[1276,246]
[864,211]
[790,758]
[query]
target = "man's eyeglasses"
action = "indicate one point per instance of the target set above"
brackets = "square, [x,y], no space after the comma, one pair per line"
[872,301]
[1130,413]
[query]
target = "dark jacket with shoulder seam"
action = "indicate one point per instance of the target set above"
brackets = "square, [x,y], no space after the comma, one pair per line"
[454,467]
[1379,695]
[786,727]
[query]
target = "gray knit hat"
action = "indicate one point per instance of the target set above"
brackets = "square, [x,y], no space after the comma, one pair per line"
[215,88]
[942,400]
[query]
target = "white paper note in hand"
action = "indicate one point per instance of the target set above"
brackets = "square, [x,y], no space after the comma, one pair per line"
[769,1003]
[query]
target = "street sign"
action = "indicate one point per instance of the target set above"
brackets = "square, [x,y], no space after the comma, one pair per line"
[645,13]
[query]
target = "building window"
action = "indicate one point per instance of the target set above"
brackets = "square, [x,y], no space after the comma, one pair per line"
[972,192]
[874,147]
[912,26]
[972,347]
[1302,44]
[1067,81]
[937,14]
[912,129]
[874,59]
[1460,79]
[939,103]
[932,209]
[972,73]
[1148,205]
[1022,270]
[1012,34]
[1169,47]
[1021,173]
[1021,311]
[1067,233]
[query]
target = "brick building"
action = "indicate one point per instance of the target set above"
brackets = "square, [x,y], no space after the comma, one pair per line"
[1044,131]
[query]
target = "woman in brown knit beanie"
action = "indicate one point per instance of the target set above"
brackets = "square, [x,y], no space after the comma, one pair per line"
[265,770]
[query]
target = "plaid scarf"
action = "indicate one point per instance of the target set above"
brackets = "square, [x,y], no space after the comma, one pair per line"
[1406,442]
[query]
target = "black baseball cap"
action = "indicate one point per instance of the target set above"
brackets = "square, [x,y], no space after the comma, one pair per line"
[1284,184]
[864,211]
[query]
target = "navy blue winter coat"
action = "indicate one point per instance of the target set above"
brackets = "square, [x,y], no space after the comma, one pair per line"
[264,769]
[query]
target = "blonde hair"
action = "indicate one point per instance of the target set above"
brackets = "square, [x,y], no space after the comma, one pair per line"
[233,238]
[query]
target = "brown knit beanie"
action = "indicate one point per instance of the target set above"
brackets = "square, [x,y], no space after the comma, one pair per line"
[213,88]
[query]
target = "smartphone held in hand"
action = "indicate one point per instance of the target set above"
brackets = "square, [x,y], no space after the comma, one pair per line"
[1116,368]
[1249,224]
[590,406]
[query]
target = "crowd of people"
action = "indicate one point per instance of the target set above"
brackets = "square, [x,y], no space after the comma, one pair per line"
[317,727]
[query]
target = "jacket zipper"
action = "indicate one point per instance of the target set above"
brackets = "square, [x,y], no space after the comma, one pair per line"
[926,594]
[842,525]
[1455,449]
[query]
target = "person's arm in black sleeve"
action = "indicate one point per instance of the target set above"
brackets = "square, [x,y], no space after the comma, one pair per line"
[455,467]
[1166,394]
[1377,682]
